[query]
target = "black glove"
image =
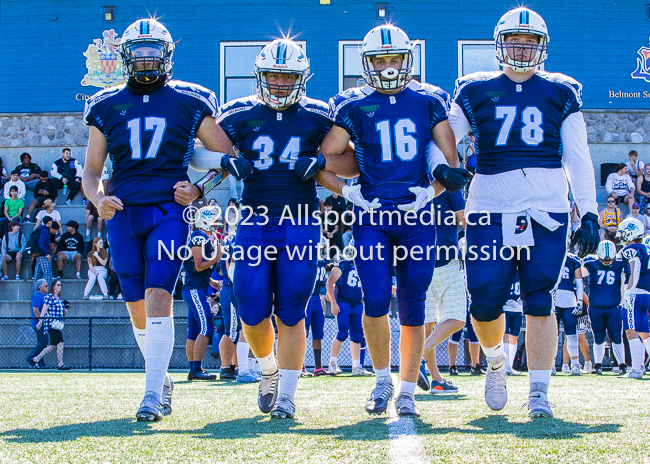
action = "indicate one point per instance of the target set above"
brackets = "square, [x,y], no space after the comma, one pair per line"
[241,168]
[587,235]
[308,166]
[453,179]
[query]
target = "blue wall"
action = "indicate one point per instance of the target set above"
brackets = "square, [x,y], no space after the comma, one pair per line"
[42,62]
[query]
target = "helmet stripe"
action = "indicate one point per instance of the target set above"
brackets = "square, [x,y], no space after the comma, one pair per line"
[385,36]
[282,54]
[523,17]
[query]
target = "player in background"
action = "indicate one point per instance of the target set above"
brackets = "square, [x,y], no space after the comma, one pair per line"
[198,268]
[568,306]
[316,318]
[530,139]
[445,308]
[636,301]
[232,323]
[605,279]
[514,317]
[277,133]
[149,125]
[391,121]
[347,306]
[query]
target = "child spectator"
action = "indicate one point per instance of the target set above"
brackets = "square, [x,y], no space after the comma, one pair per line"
[43,190]
[70,248]
[13,210]
[619,185]
[28,171]
[13,249]
[67,171]
[634,165]
[18,183]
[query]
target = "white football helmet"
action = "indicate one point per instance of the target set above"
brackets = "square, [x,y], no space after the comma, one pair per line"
[630,229]
[606,251]
[281,56]
[387,40]
[208,218]
[147,49]
[349,252]
[521,21]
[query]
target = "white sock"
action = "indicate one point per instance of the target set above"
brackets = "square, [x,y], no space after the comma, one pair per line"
[251,364]
[646,343]
[407,388]
[494,352]
[159,344]
[383,374]
[334,360]
[636,351]
[268,364]
[513,352]
[242,357]
[572,345]
[506,352]
[139,338]
[619,352]
[542,376]
[599,353]
[357,362]
[289,382]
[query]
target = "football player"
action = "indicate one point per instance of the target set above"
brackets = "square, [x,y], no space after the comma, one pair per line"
[232,323]
[568,306]
[636,301]
[347,306]
[277,132]
[149,125]
[514,317]
[316,318]
[530,138]
[198,269]
[605,272]
[391,121]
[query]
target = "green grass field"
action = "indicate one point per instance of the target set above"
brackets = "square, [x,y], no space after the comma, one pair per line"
[89,417]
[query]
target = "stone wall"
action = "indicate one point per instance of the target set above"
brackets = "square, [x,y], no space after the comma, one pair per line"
[617,127]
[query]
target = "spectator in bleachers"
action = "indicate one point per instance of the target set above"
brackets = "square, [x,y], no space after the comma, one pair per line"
[13,248]
[331,229]
[634,166]
[48,210]
[620,186]
[43,190]
[97,261]
[42,338]
[29,172]
[647,218]
[67,171]
[470,154]
[609,219]
[115,289]
[92,215]
[346,225]
[338,203]
[4,175]
[43,267]
[70,248]
[54,310]
[643,188]
[636,214]
[13,210]
[18,183]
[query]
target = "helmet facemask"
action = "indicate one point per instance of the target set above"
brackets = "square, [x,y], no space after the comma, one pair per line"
[147,59]
[280,95]
[519,56]
[389,78]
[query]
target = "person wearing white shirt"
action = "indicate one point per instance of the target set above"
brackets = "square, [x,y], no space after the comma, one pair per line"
[620,186]
[18,183]
[634,165]
[48,210]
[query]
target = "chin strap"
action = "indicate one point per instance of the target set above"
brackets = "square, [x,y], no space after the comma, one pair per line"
[144,88]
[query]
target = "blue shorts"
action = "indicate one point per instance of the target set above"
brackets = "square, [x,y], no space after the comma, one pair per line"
[513,322]
[606,321]
[231,321]
[136,234]
[489,280]
[413,270]
[350,322]
[471,335]
[635,312]
[277,270]
[199,314]
[315,318]
[569,321]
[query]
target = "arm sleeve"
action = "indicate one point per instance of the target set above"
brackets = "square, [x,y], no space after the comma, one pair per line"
[54,172]
[80,169]
[459,125]
[81,245]
[608,184]
[24,245]
[630,183]
[21,189]
[4,245]
[578,164]
[204,160]
[44,241]
[580,289]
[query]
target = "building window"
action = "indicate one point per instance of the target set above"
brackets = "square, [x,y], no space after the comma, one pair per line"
[350,67]
[237,63]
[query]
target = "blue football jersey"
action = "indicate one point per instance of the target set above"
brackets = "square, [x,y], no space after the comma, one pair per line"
[198,280]
[391,134]
[515,287]
[568,281]
[321,277]
[640,252]
[273,140]
[150,137]
[446,206]
[349,284]
[604,282]
[517,125]
[223,263]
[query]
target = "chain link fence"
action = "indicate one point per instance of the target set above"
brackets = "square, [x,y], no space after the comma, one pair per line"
[108,343]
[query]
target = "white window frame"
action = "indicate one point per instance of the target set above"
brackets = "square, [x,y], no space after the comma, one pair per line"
[461,43]
[222,59]
[342,43]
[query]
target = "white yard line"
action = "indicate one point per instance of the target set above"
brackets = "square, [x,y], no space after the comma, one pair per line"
[405,444]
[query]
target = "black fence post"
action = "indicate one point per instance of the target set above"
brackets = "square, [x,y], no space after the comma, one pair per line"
[90,344]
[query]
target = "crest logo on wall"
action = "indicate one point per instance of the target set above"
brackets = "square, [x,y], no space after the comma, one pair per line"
[642,70]
[104,62]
